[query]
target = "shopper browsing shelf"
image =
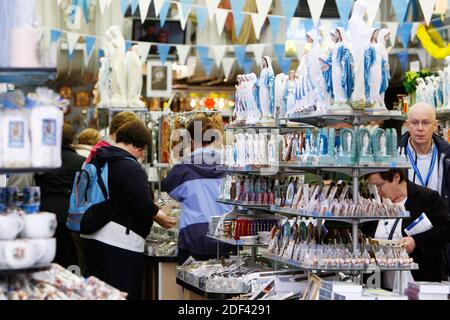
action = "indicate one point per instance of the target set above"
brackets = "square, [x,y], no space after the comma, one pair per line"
[195,182]
[86,140]
[427,247]
[428,155]
[114,253]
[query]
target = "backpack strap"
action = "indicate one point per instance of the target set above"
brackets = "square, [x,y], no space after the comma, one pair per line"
[100,181]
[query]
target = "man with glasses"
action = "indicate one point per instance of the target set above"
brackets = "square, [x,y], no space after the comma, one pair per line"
[428,155]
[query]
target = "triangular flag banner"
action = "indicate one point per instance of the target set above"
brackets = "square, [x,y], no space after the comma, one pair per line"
[163,51]
[274,25]
[128,45]
[201,17]
[414,30]
[404,33]
[393,28]
[258,51]
[237,5]
[55,35]
[202,52]
[184,15]
[239,51]
[372,10]
[90,45]
[219,53]
[258,21]
[263,6]
[103,4]
[124,6]
[300,48]
[144,5]
[238,18]
[308,25]
[279,51]
[404,59]
[144,47]
[186,6]
[400,8]
[71,55]
[423,57]
[221,17]
[158,6]
[183,52]
[208,65]
[72,39]
[163,13]
[289,7]
[85,8]
[427,9]
[294,25]
[285,64]
[211,5]
[227,65]
[134,6]
[248,66]
[316,8]
[344,8]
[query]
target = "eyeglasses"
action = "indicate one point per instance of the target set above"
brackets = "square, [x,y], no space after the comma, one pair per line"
[416,124]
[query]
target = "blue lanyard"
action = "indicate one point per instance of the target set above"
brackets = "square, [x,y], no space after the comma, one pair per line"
[416,170]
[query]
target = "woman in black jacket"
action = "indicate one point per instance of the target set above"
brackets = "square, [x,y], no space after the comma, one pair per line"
[426,248]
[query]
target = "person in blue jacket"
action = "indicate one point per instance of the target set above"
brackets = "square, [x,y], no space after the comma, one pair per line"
[195,183]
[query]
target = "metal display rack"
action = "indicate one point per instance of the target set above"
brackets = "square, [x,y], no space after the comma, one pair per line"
[320,119]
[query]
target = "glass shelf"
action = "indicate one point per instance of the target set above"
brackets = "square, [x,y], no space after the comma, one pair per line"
[26,170]
[236,242]
[443,114]
[246,205]
[258,170]
[7,271]
[326,118]
[283,127]
[207,294]
[304,213]
[297,264]
[27,76]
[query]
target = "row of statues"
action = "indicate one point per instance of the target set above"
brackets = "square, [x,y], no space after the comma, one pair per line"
[120,77]
[351,75]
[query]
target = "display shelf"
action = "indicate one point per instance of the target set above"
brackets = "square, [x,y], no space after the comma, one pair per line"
[326,118]
[26,170]
[27,76]
[258,170]
[362,170]
[316,215]
[443,114]
[238,243]
[9,271]
[297,264]
[282,128]
[120,109]
[246,205]
[207,294]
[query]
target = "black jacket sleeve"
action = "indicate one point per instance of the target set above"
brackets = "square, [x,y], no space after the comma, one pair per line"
[430,243]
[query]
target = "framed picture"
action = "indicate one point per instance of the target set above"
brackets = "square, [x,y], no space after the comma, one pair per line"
[312,291]
[159,79]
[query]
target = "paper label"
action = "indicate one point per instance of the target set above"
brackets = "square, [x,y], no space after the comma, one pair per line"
[49,132]
[16,134]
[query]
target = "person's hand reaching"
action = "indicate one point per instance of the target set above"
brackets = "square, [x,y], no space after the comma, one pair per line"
[164,220]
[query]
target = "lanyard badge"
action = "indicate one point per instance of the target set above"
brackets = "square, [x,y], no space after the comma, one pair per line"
[416,169]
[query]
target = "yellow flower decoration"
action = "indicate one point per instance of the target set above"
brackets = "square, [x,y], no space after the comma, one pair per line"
[433,49]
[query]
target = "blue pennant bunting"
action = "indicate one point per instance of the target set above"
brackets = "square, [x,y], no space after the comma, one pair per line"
[202,52]
[185,6]
[289,7]
[71,55]
[248,66]
[134,6]
[208,65]
[344,7]
[404,59]
[308,25]
[124,6]
[237,5]
[285,64]
[163,51]
[238,18]
[279,51]
[55,35]
[90,43]
[400,8]
[239,51]
[404,33]
[128,45]
[163,13]
[85,8]
[101,53]
[274,25]
[202,13]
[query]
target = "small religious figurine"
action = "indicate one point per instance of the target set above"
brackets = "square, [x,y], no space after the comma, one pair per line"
[266,88]
[118,68]
[372,71]
[239,110]
[381,145]
[347,155]
[262,149]
[446,83]
[289,93]
[383,38]
[364,146]
[421,90]
[250,149]
[103,85]
[251,98]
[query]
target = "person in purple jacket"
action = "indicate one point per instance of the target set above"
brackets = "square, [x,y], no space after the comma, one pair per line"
[195,183]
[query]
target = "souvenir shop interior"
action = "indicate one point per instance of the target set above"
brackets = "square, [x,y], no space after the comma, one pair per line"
[313,102]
